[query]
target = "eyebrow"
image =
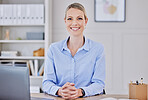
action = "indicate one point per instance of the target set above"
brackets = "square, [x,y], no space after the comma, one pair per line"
[77,16]
[69,16]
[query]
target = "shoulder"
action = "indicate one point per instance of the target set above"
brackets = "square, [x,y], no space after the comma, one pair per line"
[96,48]
[57,45]
[95,45]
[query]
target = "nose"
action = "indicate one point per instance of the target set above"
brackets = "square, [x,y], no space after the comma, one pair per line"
[74,23]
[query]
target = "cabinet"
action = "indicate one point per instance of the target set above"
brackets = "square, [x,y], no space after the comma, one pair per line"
[19,30]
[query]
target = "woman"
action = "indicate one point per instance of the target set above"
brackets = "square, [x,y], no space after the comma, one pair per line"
[75,67]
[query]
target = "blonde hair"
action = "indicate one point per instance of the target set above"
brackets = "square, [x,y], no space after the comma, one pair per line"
[76,6]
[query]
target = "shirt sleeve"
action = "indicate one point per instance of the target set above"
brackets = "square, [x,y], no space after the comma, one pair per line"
[49,78]
[97,82]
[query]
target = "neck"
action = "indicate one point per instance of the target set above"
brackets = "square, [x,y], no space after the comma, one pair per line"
[75,42]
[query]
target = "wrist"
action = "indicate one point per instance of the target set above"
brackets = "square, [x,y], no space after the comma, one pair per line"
[59,92]
[82,93]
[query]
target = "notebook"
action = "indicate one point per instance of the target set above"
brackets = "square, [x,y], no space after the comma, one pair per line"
[15,84]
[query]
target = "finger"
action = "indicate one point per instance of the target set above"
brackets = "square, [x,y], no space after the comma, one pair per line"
[72,84]
[65,85]
[72,88]
[74,96]
[65,91]
[65,94]
[73,92]
[68,93]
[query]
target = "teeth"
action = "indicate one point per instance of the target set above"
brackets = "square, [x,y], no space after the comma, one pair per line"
[74,29]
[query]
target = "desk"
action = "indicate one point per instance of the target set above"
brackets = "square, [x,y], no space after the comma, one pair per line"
[42,95]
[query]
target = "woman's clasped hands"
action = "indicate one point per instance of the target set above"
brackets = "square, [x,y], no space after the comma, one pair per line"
[68,91]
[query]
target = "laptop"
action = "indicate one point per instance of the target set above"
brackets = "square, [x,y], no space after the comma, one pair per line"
[15,84]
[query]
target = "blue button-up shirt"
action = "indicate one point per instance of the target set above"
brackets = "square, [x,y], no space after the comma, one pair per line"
[86,69]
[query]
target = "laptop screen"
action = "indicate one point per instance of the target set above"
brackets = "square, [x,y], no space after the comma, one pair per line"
[14,83]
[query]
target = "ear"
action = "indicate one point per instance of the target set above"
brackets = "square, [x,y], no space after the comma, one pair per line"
[65,20]
[86,20]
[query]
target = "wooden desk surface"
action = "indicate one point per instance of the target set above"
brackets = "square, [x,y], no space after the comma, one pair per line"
[42,95]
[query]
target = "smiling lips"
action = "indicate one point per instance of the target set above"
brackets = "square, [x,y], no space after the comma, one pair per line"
[74,28]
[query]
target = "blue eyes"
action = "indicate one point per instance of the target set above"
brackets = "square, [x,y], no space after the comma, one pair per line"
[77,19]
[80,19]
[69,19]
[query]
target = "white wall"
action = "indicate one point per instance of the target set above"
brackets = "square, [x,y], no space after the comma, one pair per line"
[125,43]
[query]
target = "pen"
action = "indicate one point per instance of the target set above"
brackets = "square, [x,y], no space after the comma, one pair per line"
[141,81]
[137,82]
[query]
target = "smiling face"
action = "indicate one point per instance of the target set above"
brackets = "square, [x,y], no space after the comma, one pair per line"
[75,22]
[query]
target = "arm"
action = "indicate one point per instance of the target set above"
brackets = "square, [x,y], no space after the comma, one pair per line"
[49,79]
[97,82]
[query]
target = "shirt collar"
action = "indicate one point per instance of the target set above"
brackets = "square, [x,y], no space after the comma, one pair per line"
[65,44]
[85,46]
